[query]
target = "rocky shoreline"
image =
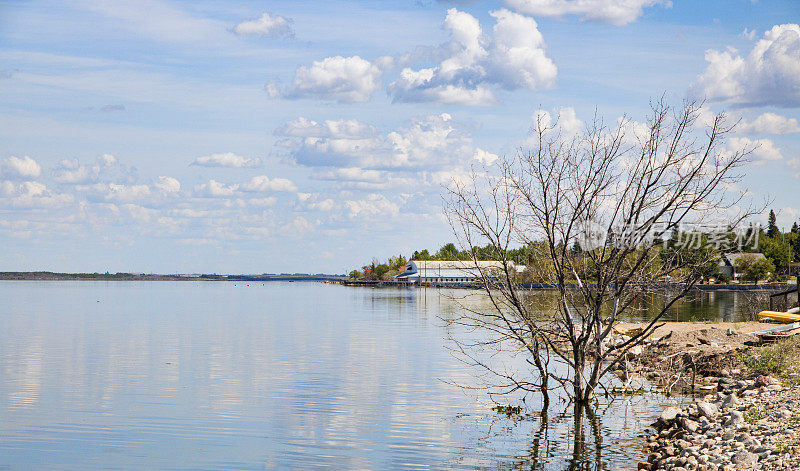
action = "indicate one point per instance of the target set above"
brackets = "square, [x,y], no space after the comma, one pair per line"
[748,424]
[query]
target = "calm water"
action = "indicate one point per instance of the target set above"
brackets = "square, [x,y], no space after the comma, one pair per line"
[163,375]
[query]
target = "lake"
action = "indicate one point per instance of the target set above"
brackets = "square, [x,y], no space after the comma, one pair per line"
[223,375]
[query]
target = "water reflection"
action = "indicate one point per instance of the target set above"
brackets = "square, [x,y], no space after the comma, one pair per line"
[295,375]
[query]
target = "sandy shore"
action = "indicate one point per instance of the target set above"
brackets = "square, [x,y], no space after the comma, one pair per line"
[689,327]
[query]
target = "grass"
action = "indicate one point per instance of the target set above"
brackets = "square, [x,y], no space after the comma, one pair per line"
[777,358]
[754,414]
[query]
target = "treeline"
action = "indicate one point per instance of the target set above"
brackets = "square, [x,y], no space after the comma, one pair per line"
[779,249]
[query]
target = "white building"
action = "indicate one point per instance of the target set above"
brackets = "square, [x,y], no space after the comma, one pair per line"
[455,271]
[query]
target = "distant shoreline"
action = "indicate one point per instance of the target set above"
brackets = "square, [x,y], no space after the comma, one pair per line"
[54,276]
[551,287]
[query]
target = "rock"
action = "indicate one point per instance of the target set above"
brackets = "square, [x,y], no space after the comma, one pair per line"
[736,418]
[730,400]
[707,410]
[690,425]
[784,414]
[669,414]
[744,459]
[766,381]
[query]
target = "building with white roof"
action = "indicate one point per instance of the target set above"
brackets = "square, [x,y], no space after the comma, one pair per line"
[450,271]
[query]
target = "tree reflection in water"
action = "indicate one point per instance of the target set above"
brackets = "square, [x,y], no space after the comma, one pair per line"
[597,437]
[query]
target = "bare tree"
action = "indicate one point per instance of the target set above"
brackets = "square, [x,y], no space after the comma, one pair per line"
[603,213]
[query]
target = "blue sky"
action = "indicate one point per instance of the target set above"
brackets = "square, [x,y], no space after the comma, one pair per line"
[249,137]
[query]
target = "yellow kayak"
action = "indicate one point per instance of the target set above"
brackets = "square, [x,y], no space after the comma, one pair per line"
[780,316]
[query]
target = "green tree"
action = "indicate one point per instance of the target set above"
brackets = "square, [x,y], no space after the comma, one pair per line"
[793,239]
[397,263]
[795,228]
[355,274]
[753,268]
[759,270]
[777,250]
[772,228]
[424,255]
[447,252]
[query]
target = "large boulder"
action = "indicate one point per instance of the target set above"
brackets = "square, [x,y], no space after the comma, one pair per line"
[669,414]
[707,410]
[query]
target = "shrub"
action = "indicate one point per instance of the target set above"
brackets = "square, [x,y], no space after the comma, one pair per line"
[772,359]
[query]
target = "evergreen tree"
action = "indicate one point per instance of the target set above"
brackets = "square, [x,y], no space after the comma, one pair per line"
[795,228]
[772,228]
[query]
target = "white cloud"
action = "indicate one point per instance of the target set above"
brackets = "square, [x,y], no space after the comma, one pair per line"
[485,157]
[748,34]
[768,75]
[615,12]
[167,185]
[23,168]
[70,171]
[565,119]
[352,174]
[794,164]
[769,123]
[274,26]
[105,168]
[313,201]
[513,58]
[262,202]
[373,205]
[226,159]
[762,149]
[118,192]
[429,142]
[299,225]
[338,129]
[344,79]
[215,189]
[368,179]
[31,194]
[263,183]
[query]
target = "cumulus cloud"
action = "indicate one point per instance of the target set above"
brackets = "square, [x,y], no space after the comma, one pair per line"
[106,168]
[367,179]
[167,185]
[373,205]
[485,157]
[337,129]
[299,225]
[564,118]
[769,123]
[117,192]
[257,184]
[473,64]
[227,159]
[768,75]
[31,194]
[313,201]
[273,26]
[21,168]
[215,189]
[343,79]
[429,142]
[614,12]
[762,149]
[263,183]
